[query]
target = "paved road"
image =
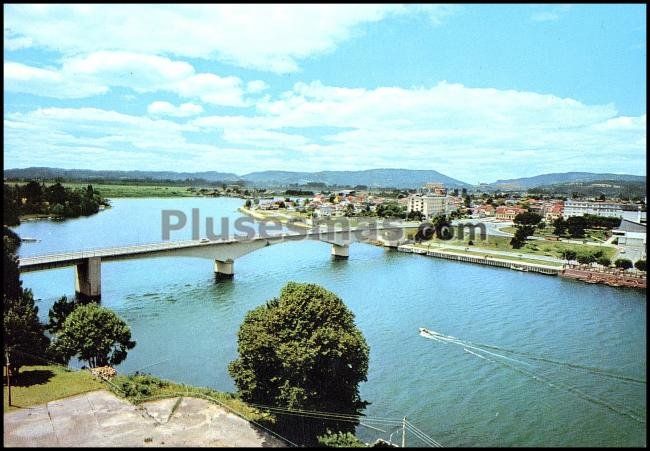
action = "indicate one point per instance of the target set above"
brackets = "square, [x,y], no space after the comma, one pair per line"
[100,418]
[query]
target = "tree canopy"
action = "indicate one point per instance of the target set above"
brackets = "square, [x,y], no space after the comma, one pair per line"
[95,334]
[302,350]
[23,335]
[527,218]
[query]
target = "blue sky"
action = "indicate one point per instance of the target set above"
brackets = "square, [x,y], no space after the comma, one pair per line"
[477,92]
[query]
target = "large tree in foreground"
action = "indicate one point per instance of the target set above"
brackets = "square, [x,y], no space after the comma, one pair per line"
[94,334]
[23,335]
[302,351]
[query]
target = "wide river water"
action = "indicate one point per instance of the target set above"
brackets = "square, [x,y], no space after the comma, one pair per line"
[185,326]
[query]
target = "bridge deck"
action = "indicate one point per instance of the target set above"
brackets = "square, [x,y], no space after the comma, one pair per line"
[62,259]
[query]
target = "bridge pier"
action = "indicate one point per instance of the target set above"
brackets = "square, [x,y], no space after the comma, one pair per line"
[224,269]
[340,251]
[88,279]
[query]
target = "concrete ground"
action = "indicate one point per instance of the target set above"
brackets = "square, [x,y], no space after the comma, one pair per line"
[100,418]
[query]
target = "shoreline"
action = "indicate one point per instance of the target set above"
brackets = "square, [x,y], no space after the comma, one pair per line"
[583,275]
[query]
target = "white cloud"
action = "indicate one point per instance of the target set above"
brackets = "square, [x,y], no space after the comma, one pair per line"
[256,86]
[265,37]
[46,82]
[472,134]
[95,73]
[211,88]
[161,108]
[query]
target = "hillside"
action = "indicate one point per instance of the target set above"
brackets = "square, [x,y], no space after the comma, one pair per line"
[565,177]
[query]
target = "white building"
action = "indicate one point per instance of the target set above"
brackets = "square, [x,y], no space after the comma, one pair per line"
[430,206]
[580,208]
[631,233]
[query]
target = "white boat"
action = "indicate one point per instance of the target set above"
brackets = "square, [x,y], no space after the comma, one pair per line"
[518,268]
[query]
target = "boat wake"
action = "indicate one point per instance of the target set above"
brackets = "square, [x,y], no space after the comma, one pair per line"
[494,354]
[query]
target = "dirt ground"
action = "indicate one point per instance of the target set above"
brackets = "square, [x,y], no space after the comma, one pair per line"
[100,418]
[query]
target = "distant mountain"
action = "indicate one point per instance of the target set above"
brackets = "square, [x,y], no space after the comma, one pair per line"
[398,178]
[629,189]
[373,178]
[557,178]
[88,174]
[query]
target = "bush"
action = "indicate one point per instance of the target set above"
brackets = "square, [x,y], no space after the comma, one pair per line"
[640,265]
[140,385]
[340,440]
[623,263]
[604,261]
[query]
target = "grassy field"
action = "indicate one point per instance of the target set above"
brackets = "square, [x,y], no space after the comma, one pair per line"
[547,248]
[127,190]
[44,383]
[41,384]
[597,235]
[110,190]
[513,257]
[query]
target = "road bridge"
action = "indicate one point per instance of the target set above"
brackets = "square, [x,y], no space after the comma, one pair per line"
[223,252]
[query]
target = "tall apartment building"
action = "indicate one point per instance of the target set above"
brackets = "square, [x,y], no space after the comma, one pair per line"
[580,208]
[430,206]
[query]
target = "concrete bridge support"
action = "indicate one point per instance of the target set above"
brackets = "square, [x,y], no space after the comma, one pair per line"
[88,280]
[340,251]
[224,269]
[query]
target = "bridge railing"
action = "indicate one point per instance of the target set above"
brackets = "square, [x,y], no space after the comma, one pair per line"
[164,245]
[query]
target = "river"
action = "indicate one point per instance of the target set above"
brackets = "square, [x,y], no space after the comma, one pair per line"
[185,326]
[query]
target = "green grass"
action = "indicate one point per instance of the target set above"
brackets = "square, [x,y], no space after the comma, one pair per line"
[513,257]
[44,383]
[111,190]
[547,248]
[140,388]
[131,190]
[41,384]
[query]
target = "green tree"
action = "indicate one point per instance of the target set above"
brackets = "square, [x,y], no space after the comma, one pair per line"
[340,440]
[59,312]
[442,227]
[95,334]
[522,232]
[302,351]
[604,261]
[527,218]
[569,254]
[248,203]
[640,265]
[23,334]
[586,258]
[576,226]
[560,226]
[623,263]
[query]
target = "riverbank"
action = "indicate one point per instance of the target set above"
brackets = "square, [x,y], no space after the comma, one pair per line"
[485,259]
[607,276]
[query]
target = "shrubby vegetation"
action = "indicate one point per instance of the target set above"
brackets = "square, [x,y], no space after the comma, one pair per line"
[55,200]
[623,263]
[340,440]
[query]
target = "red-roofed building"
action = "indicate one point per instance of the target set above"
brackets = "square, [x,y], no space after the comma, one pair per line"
[505,213]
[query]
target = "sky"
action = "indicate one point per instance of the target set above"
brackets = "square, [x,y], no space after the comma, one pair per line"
[477,92]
